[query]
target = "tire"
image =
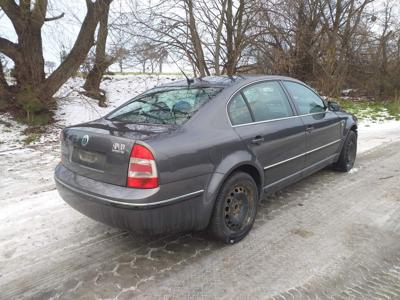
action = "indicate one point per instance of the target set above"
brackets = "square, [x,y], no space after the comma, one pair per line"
[235,208]
[348,155]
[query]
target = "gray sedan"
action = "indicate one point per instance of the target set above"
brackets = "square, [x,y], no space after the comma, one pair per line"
[200,155]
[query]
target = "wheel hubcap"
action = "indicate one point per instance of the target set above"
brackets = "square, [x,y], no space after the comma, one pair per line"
[237,207]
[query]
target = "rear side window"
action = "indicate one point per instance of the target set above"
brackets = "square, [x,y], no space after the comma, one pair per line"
[306,101]
[267,101]
[238,111]
[165,106]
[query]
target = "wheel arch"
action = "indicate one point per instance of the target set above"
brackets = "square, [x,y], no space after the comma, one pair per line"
[252,171]
[222,173]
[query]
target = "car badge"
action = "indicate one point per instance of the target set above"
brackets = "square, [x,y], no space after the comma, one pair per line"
[85,140]
[118,148]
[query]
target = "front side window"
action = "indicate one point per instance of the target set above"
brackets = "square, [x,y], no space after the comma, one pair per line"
[238,111]
[165,106]
[267,101]
[305,99]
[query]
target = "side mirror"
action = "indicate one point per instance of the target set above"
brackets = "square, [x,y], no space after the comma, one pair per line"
[333,106]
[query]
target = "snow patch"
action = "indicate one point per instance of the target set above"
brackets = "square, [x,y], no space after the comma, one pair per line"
[10,133]
[374,134]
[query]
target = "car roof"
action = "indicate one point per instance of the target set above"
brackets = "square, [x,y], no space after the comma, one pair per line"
[222,81]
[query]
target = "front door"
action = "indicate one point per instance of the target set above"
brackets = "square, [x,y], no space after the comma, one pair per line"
[323,127]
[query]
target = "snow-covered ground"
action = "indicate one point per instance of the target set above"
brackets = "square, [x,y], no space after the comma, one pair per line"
[374,134]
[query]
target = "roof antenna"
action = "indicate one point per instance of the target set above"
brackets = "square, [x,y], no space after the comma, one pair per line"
[189,81]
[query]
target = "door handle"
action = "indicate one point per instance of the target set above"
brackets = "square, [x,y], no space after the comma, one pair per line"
[257,140]
[309,129]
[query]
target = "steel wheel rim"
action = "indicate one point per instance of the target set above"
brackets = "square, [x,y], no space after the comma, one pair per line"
[238,207]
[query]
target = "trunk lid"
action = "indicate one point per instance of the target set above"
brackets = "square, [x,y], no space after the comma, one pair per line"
[101,149]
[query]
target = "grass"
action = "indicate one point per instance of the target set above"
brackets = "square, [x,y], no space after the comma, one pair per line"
[32,134]
[372,110]
[30,138]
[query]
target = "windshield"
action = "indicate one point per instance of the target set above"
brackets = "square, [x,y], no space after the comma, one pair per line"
[172,106]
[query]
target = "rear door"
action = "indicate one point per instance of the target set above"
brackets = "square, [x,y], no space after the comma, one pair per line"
[323,127]
[264,119]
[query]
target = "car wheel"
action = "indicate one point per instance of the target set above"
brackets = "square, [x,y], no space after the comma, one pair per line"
[235,208]
[348,155]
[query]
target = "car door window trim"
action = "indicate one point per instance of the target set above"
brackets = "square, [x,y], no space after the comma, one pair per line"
[240,90]
[248,106]
[303,154]
[279,119]
[290,112]
[305,86]
[289,99]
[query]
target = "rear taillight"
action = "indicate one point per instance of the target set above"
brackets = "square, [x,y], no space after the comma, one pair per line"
[142,171]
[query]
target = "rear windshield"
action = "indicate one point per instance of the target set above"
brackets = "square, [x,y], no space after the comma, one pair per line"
[168,106]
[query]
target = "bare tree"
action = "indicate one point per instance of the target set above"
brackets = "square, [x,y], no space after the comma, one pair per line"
[101,62]
[33,91]
[121,54]
[209,34]
[341,19]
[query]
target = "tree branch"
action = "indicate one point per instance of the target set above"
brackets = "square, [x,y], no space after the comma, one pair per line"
[11,9]
[9,49]
[39,12]
[54,18]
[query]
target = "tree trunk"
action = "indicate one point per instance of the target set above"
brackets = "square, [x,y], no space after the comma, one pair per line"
[217,51]
[233,42]
[101,63]
[305,30]
[30,69]
[194,36]
[4,89]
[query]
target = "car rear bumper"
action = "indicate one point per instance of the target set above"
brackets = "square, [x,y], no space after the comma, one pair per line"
[139,211]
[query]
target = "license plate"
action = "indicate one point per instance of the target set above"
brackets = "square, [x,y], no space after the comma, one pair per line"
[91,159]
[88,157]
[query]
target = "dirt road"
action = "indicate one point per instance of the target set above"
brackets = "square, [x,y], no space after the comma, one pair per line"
[333,236]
